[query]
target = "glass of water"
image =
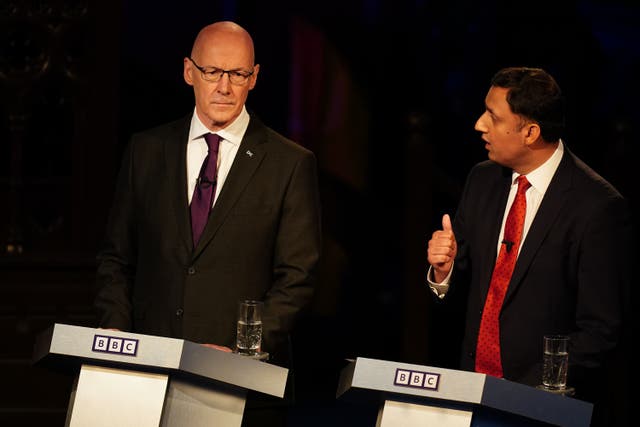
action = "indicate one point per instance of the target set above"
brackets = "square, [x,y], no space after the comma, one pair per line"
[555,362]
[249,331]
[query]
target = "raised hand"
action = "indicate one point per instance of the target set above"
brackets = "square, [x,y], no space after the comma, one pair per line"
[442,250]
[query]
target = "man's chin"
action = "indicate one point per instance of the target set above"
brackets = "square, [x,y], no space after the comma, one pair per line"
[221,120]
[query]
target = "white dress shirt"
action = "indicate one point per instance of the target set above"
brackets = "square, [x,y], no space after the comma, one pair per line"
[197,150]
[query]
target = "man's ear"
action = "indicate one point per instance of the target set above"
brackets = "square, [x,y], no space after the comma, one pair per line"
[254,76]
[531,133]
[187,72]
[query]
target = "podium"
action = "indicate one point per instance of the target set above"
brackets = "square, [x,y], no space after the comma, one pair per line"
[136,380]
[412,395]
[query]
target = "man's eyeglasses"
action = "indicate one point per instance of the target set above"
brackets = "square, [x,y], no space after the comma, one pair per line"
[212,74]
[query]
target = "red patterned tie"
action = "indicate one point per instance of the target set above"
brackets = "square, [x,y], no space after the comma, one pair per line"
[205,189]
[488,348]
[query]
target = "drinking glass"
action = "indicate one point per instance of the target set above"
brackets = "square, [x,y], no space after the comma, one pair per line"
[249,330]
[555,362]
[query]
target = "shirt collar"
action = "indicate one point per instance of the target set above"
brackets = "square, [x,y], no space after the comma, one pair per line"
[232,133]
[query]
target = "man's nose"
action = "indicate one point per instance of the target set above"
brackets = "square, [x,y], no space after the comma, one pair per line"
[224,83]
[480,125]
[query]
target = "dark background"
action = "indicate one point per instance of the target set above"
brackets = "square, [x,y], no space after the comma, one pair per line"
[386,94]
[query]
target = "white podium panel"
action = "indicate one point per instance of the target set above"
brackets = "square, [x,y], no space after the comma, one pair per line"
[99,390]
[393,413]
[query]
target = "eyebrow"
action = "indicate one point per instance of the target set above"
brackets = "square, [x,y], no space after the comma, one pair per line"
[214,68]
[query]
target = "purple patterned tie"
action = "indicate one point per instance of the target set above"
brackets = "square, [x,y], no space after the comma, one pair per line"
[205,188]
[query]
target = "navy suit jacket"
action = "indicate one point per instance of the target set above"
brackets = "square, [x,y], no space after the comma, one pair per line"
[262,241]
[571,277]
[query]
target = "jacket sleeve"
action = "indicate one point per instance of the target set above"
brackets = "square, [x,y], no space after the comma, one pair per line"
[116,259]
[296,253]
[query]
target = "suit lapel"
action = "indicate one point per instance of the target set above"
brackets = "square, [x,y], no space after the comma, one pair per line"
[494,222]
[175,156]
[249,156]
[550,208]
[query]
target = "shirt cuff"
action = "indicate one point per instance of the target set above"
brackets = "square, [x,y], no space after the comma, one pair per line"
[439,289]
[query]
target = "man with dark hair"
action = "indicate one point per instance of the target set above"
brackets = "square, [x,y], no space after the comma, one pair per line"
[540,245]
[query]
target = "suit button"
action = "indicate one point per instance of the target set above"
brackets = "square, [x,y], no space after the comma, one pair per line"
[472,355]
[179,312]
[191,271]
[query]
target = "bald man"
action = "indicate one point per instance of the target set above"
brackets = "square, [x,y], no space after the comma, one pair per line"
[261,238]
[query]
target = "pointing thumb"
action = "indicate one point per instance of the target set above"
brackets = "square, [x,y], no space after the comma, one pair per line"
[446,222]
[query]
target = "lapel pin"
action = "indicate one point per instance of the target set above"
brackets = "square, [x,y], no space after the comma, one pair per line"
[249,153]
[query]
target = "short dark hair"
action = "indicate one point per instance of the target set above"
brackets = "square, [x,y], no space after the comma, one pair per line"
[534,95]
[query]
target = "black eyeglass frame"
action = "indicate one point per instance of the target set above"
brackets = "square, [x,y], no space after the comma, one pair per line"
[233,74]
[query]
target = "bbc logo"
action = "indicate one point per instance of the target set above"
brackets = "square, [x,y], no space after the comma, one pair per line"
[417,379]
[115,345]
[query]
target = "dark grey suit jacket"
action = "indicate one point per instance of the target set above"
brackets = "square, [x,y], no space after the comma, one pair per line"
[571,277]
[262,240]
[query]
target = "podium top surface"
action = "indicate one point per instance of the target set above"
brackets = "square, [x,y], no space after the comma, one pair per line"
[388,380]
[138,351]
